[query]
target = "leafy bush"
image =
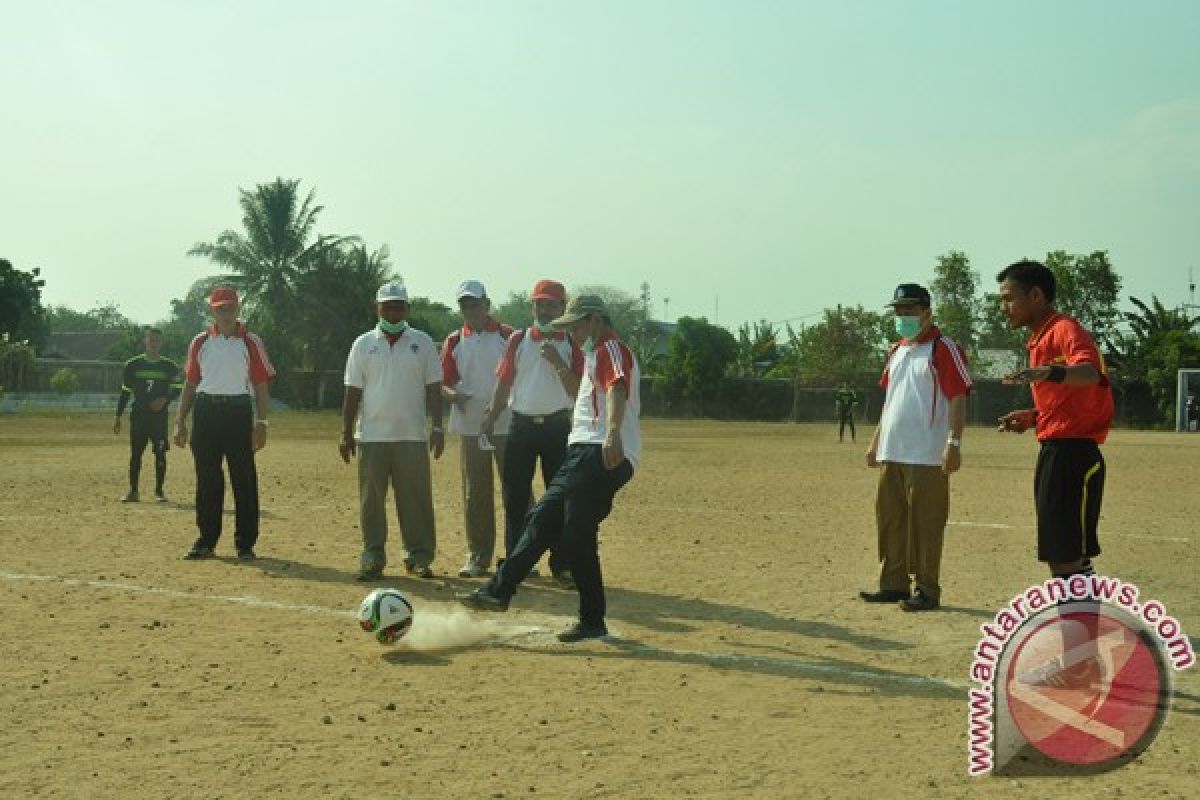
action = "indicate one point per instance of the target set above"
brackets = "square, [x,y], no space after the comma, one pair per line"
[65,381]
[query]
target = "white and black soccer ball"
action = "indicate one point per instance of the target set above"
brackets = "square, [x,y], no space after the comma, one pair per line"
[387,614]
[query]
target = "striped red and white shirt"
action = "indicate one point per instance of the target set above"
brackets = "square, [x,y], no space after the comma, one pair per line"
[469,361]
[608,364]
[536,388]
[225,365]
[921,377]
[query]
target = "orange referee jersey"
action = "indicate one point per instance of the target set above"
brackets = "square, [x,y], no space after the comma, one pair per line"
[1069,412]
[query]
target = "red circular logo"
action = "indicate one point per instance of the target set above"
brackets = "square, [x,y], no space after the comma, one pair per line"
[1087,688]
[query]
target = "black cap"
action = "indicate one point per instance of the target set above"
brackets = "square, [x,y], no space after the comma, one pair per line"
[908,294]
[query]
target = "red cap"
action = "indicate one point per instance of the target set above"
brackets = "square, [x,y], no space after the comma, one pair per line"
[222,296]
[549,290]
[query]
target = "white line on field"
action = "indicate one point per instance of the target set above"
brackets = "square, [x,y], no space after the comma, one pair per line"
[672,509]
[534,638]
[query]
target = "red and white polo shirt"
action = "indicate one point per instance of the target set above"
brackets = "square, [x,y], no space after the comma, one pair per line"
[469,362]
[536,387]
[1069,412]
[921,378]
[609,364]
[219,364]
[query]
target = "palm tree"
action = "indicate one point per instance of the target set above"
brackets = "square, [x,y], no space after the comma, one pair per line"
[274,250]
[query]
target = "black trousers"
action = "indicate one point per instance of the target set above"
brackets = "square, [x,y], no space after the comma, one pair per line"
[148,427]
[571,510]
[222,431]
[843,421]
[528,441]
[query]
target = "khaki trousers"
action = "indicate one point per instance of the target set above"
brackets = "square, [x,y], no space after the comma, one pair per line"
[912,505]
[479,493]
[404,465]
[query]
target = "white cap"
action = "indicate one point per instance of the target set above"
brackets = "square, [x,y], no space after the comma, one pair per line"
[393,290]
[471,289]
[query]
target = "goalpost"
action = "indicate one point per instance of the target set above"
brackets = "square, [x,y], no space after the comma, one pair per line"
[1188,382]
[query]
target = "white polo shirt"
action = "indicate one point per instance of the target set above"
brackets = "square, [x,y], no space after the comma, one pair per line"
[227,365]
[921,378]
[469,361]
[610,363]
[393,377]
[537,389]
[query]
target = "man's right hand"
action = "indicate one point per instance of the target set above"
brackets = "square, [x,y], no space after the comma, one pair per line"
[181,434]
[117,425]
[1017,421]
[346,447]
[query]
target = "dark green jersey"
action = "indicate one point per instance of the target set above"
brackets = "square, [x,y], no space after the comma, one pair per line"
[846,400]
[147,380]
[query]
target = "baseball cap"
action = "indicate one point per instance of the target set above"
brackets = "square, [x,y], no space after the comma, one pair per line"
[222,296]
[471,289]
[579,307]
[908,294]
[549,290]
[391,291]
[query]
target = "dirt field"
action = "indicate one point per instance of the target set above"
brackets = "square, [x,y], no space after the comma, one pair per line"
[745,666]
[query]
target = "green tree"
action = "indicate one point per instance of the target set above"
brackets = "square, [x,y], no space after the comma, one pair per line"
[516,311]
[845,343]
[629,317]
[956,303]
[698,357]
[17,362]
[436,319]
[22,316]
[108,317]
[65,381]
[1089,289]
[1160,342]
[758,348]
[268,257]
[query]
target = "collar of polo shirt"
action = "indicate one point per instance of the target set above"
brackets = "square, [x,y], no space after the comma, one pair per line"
[492,326]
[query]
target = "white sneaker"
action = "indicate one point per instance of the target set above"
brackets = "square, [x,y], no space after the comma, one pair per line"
[471,571]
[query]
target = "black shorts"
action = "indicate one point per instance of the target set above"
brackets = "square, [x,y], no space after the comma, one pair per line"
[149,426]
[1068,486]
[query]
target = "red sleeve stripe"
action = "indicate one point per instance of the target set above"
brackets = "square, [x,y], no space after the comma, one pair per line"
[261,370]
[506,370]
[450,376]
[191,370]
[577,363]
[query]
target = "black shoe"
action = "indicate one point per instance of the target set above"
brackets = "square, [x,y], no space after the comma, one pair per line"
[159,497]
[368,575]
[579,631]
[482,600]
[918,602]
[884,596]
[246,554]
[130,497]
[199,550]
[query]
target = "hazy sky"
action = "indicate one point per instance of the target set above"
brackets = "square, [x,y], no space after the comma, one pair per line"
[780,156]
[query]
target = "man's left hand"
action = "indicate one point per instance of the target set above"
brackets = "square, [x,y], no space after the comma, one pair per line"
[612,451]
[260,436]
[951,459]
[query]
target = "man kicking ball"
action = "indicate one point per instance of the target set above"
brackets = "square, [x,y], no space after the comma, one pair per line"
[602,454]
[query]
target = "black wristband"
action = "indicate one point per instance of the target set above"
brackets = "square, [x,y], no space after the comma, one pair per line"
[1057,374]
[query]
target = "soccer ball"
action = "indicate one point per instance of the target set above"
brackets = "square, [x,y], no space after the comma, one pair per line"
[385,613]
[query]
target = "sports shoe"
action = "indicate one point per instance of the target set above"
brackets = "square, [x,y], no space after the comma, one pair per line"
[919,602]
[369,574]
[159,497]
[130,497]
[471,571]
[580,631]
[884,596]
[246,554]
[199,550]
[482,600]
[423,572]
